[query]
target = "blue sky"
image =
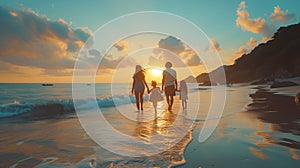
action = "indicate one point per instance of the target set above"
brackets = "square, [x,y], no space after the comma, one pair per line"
[218,19]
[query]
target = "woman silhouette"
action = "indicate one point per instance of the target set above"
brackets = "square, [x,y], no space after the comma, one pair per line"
[138,86]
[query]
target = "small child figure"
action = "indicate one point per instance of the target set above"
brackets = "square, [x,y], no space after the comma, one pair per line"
[183,93]
[155,95]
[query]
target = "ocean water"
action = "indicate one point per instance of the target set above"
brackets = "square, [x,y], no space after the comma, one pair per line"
[16,99]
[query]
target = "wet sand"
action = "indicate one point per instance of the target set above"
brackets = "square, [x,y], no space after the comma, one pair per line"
[263,134]
[37,143]
[58,140]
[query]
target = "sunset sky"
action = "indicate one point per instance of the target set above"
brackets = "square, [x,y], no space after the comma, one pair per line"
[39,39]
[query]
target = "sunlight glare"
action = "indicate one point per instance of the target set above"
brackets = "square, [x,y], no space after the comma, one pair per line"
[156,72]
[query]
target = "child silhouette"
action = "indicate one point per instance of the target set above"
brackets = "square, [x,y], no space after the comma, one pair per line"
[155,95]
[183,93]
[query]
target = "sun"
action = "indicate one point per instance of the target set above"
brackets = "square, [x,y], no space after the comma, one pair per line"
[156,72]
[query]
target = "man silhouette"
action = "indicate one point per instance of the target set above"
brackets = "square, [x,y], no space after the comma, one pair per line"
[169,84]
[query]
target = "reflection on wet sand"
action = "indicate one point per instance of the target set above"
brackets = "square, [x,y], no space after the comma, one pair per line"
[169,126]
[294,154]
[159,125]
[258,153]
[277,109]
[277,122]
[249,136]
[43,142]
[162,121]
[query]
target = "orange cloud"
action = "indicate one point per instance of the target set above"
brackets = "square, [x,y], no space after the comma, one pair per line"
[121,45]
[265,39]
[242,50]
[215,46]
[259,25]
[236,54]
[256,25]
[281,16]
[30,40]
[252,43]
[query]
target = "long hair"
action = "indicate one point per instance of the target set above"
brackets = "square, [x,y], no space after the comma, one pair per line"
[139,70]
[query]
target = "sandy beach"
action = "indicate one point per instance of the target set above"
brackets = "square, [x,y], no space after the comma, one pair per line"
[264,133]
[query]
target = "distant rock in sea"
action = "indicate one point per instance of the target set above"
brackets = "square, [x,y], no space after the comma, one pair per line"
[47,84]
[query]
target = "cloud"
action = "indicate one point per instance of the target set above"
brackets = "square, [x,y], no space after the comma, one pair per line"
[281,16]
[33,40]
[161,56]
[259,25]
[120,62]
[242,50]
[255,25]
[215,46]
[242,5]
[89,59]
[236,54]
[172,44]
[121,45]
[265,39]
[190,57]
[174,50]
[252,43]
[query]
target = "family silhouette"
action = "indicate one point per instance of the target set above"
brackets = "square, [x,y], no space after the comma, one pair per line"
[169,87]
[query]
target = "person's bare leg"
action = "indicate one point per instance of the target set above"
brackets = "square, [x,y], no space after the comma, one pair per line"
[185,104]
[137,102]
[155,106]
[171,102]
[141,100]
[168,101]
[182,103]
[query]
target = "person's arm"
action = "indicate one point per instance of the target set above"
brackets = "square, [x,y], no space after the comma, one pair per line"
[147,86]
[132,85]
[160,90]
[176,84]
[144,81]
[163,81]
